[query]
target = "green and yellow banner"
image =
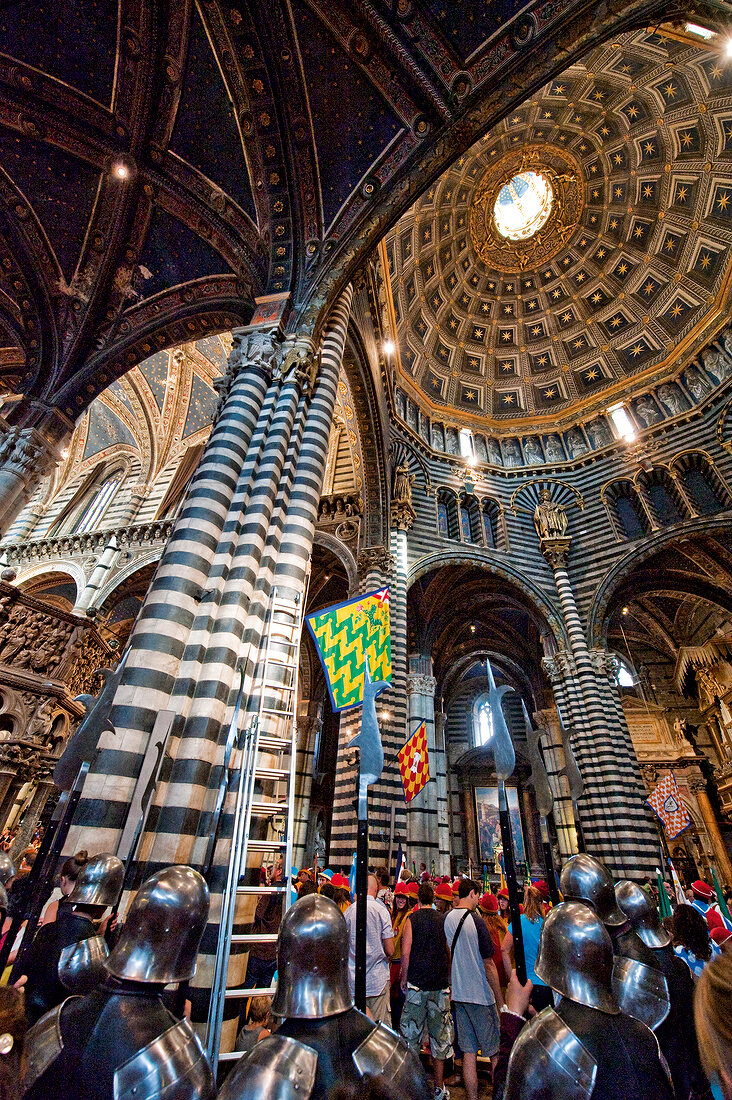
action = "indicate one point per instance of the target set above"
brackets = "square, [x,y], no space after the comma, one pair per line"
[345,635]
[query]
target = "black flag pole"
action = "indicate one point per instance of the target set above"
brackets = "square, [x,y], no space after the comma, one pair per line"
[501,746]
[544,799]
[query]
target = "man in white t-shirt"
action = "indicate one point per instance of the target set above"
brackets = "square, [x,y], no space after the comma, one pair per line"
[476,992]
[379,950]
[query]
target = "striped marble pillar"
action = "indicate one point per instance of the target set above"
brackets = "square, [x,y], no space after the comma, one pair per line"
[422,839]
[613,819]
[376,569]
[164,627]
[553,752]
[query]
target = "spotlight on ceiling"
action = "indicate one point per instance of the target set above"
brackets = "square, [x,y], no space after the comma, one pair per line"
[701,32]
[120,170]
[728,47]
[472,628]
[625,610]
[388,347]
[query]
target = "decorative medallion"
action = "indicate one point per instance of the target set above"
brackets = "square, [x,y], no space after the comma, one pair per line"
[525,207]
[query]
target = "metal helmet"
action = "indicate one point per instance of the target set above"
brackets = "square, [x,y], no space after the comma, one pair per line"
[585,879]
[3,898]
[163,929]
[7,868]
[312,961]
[642,914]
[575,956]
[99,882]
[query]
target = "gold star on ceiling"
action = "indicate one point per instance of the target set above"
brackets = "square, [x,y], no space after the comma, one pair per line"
[723,201]
[597,297]
[615,321]
[591,375]
[478,333]
[566,318]
[506,366]
[579,343]
[716,71]
[681,194]
[474,363]
[670,91]
[677,310]
[556,293]
[600,253]
[686,139]
[549,393]
[618,158]
[618,192]
[536,330]
[704,261]
[470,395]
[632,111]
[649,147]
[638,231]
[636,350]
[649,287]
[506,336]
[648,191]
[604,131]
[614,223]
[436,383]
[543,360]
[508,399]
[670,245]
[622,269]
[532,304]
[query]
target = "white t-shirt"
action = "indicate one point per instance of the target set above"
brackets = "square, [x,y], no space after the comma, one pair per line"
[467,975]
[378,929]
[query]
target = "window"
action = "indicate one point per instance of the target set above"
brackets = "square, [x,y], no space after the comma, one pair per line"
[630,515]
[623,423]
[484,726]
[94,508]
[448,515]
[625,677]
[467,449]
[442,522]
[523,205]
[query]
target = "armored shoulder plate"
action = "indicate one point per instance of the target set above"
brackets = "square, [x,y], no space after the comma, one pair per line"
[279,1068]
[43,1044]
[171,1067]
[549,1059]
[383,1053]
[81,965]
[642,991]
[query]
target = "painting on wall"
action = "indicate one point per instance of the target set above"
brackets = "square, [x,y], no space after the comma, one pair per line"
[489,829]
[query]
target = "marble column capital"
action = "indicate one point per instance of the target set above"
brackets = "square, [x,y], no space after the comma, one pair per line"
[556,551]
[402,515]
[560,666]
[420,684]
[27,452]
[375,559]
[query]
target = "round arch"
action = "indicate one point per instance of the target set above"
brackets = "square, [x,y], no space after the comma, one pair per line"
[598,617]
[341,552]
[61,567]
[503,571]
[128,571]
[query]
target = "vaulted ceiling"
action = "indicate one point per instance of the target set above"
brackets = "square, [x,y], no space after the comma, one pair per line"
[628,278]
[163,163]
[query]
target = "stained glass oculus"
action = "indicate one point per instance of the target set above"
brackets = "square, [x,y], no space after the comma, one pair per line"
[523,206]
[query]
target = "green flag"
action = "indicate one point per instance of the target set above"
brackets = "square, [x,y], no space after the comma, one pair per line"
[723,908]
[664,905]
[345,635]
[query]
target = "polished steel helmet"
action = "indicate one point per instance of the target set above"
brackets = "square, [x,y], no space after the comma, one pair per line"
[7,868]
[642,914]
[312,961]
[584,878]
[163,928]
[99,882]
[575,956]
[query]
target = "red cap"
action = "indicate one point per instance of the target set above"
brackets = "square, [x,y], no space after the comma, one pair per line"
[703,890]
[489,902]
[542,887]
[721,936]
[444,891]
[503,892]
[412,889]
[400,888]
[340,882]
[455,887]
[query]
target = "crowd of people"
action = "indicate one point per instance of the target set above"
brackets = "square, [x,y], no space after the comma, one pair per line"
[649,1001]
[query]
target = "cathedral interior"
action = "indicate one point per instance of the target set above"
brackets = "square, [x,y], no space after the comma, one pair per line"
[299,301]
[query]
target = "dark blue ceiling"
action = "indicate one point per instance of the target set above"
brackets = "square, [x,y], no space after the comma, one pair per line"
[74,40]
[201,407]
[105,430]
[206,133]
[174,254]
[60,188]
[351,121]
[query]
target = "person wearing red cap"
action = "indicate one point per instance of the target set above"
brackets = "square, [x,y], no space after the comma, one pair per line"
[342,891]
[704,901]
[723,938]
[443,898]
[503,904]
[496,925]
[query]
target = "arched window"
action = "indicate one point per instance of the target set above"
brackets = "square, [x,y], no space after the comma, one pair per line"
[448,518]
[702,484]
[664,498]
[492,524]
[483,726]
[624,675]
[87,508]
[470,525]
[626,510]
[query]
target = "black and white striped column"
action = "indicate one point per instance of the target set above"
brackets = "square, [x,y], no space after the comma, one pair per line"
[613,819]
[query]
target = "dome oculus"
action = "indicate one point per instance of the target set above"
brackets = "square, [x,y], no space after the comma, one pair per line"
[523,205]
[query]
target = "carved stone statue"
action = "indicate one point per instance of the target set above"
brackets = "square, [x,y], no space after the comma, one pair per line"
[403,482]
[550,517]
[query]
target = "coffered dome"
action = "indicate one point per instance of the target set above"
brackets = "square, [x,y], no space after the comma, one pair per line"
[580,251]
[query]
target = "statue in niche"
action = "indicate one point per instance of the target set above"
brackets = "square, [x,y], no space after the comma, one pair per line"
[532,450]
[403,482]
[494,452]
[671,399]
[511,453]
[600,434]
[576,443]
[684,731]
[647,411]
[717,364]
[553,449]
[697,386]
[452,442]
[438,441]
[550,517]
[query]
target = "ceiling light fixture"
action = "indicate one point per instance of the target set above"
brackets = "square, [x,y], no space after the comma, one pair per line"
[701,32]
[121,170]
[388,347]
